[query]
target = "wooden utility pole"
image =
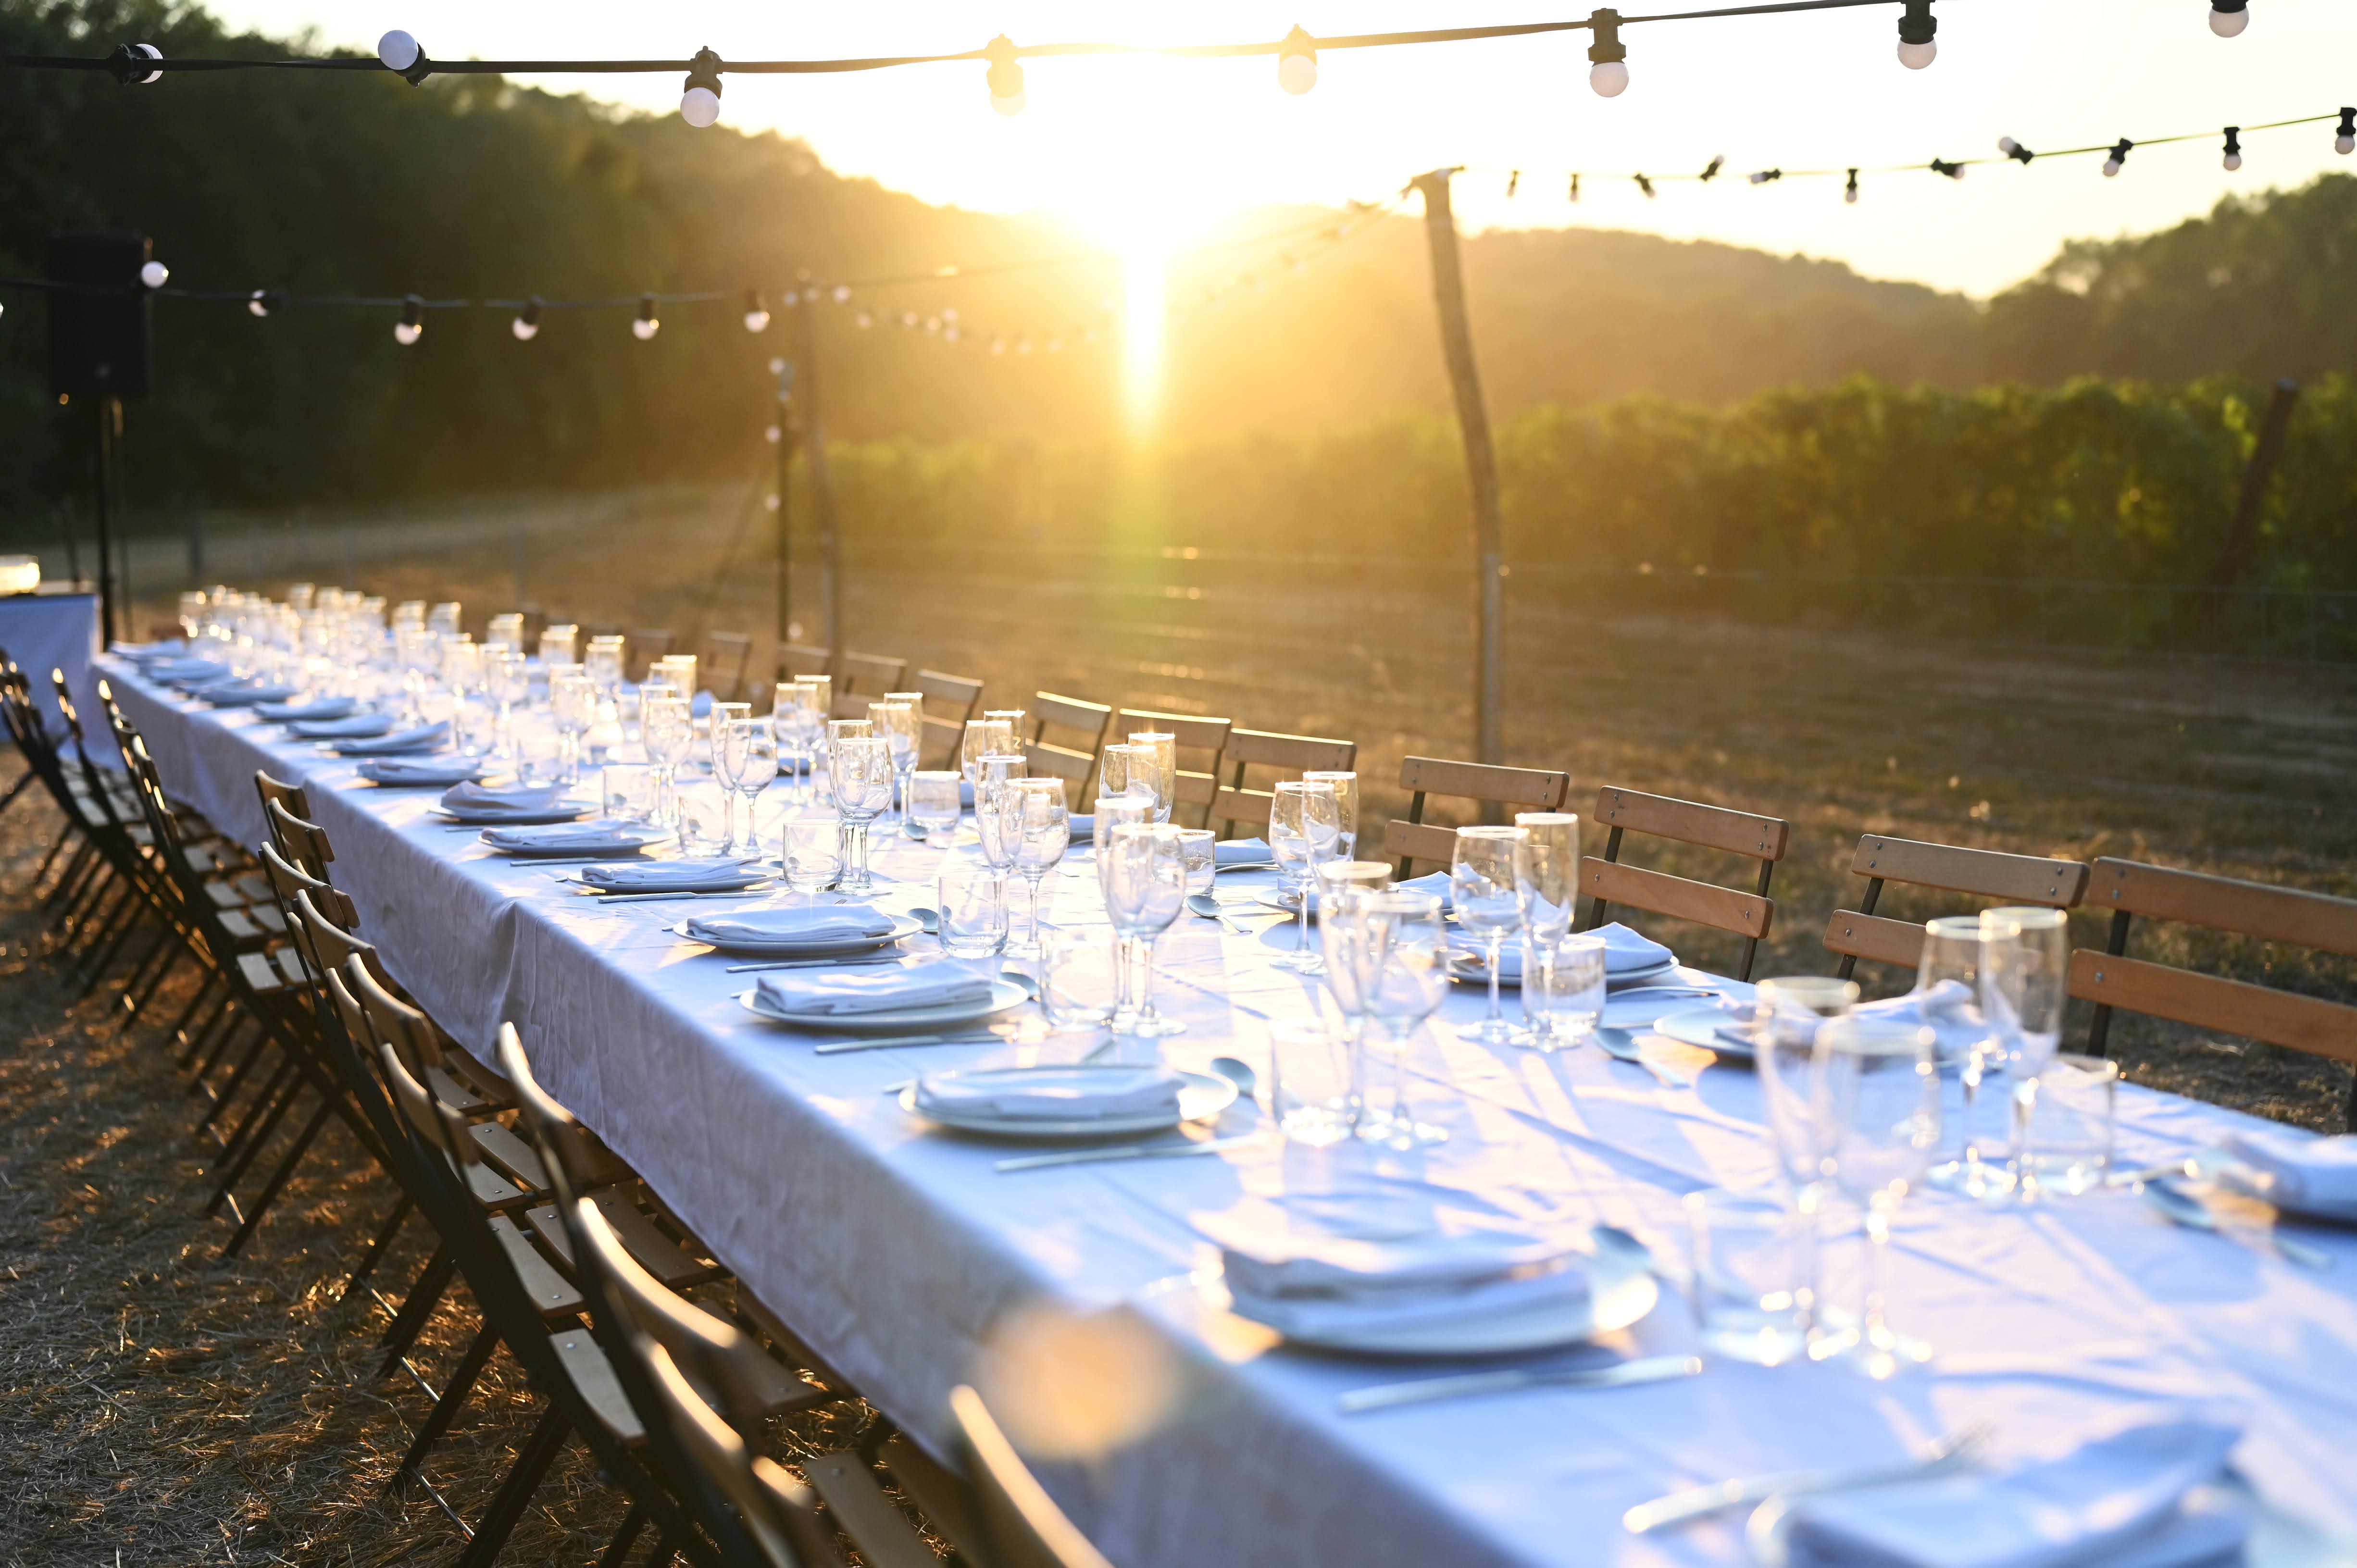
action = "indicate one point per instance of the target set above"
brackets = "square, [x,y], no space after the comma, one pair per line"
[784,371]
[813,434]
[1480,465]
[2255,482]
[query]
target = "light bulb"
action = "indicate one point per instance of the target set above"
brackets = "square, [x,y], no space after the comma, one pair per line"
[407,332]
[2345,145]
[1915,57]
[2232,162]
[1010,104]
[643,328]
[757,321]
[2111,168]
[147,51]
[1296,73]
[699,106]
[2229,22]
[525,331]
[1005,76]
[2008,146]
[398,52]
[1610,77]
[154,273]
[257,303]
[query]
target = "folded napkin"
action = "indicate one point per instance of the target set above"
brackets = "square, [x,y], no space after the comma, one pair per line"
[2116,1501]
[713,875]
[1327,1284]
[420,769]
[1951,1009]
[1628,953]
[1436,882]
[316,709]
[1083,830]
[574,838]
[245,694]
[1242,852]
[142,652]
[2304,1174]
[807,923]
[348,726]
[1472,954]
[1054,1093]
[187,672]
[847,994]
[425,737]
[469,796]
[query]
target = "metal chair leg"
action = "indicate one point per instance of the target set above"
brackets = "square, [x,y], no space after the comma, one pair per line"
[253,1144]
[416,1308]
[625,1537]
[369,1260]
[269,1194]
[523,1479]
[446,1408]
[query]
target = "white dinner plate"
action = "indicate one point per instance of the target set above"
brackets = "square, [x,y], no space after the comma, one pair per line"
[903,926]
[1619,1293]
[1203,1097]
[1005,994]
[511,818]
[1699,1027]
[624,842]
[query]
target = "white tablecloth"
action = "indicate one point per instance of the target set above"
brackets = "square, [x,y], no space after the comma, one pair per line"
[893,1248]
[50,632]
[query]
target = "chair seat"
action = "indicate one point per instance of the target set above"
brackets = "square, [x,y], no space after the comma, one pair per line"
[592,1376]
[516,1160]
[551,1292]
[653,1250]
[846,1483]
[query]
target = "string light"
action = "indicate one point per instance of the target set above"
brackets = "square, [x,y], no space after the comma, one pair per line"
[1763,175]
[1849,191]
[1710,170]
[1647,187]
[130,64]
[1297,62]
[1005,76]
[526,326]
[1608,69]
[2014,150]
[1953,171]
[1575,187]
[644,326]
[412,325]
[155,275]
[1917,47]
[402,55]
[1514,183]
[263,301]
[757,311]
[2346,142]
[2229,18]
[2233,159]
[699,100]
[2120,150]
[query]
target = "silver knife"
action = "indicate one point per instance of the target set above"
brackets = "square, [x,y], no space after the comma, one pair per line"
[1695,1502]
[1126,1152]
[815,963]
[1651,1369]
[756,891]
[841,1045]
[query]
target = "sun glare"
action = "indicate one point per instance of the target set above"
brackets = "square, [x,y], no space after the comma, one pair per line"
[1145,273]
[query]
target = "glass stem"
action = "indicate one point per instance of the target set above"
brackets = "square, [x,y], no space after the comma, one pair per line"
[1399,1083]
[1870,1327]
[1039,936]
[1301,925]
[1497,956]
[1144,980]
[2024,1116]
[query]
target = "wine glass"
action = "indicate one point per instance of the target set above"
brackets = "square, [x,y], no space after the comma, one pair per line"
[1128,770]
[2024,989]
[902,727]
[1485,890]
[1401,967]
[859,767]
[572,706]
[1546,884]
[667,730]
[1039,825]
[983,737]
[511,681]
[757,747]
[933,805]
[1145,874]
[1163,773]
[1957,950]
[993,775]
[1343,937]
[1787,1014]
[1304,830]
[795,722]
[1345,806]
[1877,1097]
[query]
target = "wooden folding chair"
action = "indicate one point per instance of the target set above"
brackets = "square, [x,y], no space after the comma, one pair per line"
[1293,755]
[796,660]
[2112,980]
[1531,789]
[727,658]
[1024,1527]
[1073,760]
[869,676]
[646,645]
[2001,879]
[950,702]
[1201,743]
[1747,915]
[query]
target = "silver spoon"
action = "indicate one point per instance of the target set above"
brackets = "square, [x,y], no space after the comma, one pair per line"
[1616,1043]
[1238,1073]
[2184,1209]
[1210,909]
[928,921]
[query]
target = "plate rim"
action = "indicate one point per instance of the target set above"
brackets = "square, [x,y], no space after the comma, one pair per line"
[1661,1026]
[864,1023]
[542,853]
[805,949]
[1062,1131]
[1643,1295]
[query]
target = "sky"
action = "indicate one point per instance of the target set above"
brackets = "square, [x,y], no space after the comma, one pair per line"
[1145,153]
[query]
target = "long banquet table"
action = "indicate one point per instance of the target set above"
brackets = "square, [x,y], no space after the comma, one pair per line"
[893,1248]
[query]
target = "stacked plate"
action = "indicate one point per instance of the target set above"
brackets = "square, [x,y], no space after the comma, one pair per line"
[1060,1103]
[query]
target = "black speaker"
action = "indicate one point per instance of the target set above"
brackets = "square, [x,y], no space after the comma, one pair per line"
[99,337]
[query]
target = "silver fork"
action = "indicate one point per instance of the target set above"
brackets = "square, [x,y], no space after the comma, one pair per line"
[1697,1502]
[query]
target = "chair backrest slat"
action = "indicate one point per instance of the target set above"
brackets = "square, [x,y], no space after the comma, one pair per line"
[1694,822]
[1746,833]
[1293,755]
[1981,873]
[950,701]
[727,655]
[2283,1018]
[1484,784]
[2249,909]
[646,644]
[1026,1528]
[1073,760]
[1681,898]
[796,660]
[870,675]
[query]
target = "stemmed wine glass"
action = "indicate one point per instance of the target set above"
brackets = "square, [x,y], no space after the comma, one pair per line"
[796,725]
[2024,989]
[1305,827]
[1400,966]
[758,765]
[1877,1096]
[1958,950]
[859,766]
[992,776]
[511,682]
[902,727]
[1486,892]
[572,706]
[1546,889]
[1039,825]
[1346,807]
[666,728]
[1161,771]
[983,737]
[1145,871]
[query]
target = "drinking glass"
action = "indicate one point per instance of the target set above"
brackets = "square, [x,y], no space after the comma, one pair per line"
[1080,979]
[1146,885]
[443,618]
[572,706]
[1347,945]
[1039,826]
[933,803]
[507,628]
[1563,990]
[1304,831]
[809,852]
[193,616]
[1876,1092]
[1346,805]
[713,724]
[511,679]
[666,730]
[744,760]
[992,826]
[860,769]
[1404,955]
[983,737]
[974,915]
[1956,949]
[679,668]
[1546,872]
[1200,848]
[1787,1014]
[1751,1284]
[2062,1138]
[629,791]
[1130,770]
[1309,1087]
[603,660]
[557,643]
[2024,989]
[902,727]
[1013,719]
[1483,888]
[1162,772]
[796,723]
[843,729]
